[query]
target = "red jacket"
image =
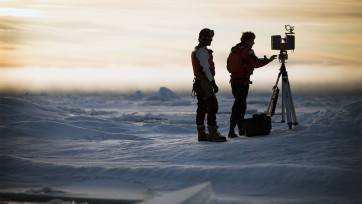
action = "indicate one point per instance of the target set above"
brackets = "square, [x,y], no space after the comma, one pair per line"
[250,62]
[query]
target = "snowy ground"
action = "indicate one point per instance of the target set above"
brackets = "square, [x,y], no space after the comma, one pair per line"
[136,147]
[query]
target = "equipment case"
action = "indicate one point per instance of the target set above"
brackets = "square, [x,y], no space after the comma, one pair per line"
[259,124]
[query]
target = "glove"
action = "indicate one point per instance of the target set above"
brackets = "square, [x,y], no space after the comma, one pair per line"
[272,58]
[214,86]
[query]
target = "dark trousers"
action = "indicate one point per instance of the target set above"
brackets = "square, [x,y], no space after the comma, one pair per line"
[210,107]
[240,92]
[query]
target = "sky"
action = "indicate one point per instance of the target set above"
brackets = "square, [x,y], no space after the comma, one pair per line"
[119,46]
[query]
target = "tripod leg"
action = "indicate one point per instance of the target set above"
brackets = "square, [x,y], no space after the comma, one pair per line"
[294,116]
[287,103]
[283,102]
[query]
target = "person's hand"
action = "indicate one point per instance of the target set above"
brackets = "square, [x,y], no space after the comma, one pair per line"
[273,57]
[214,86]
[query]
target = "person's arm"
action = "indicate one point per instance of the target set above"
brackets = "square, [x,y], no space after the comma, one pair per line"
[255,62]
[203,56]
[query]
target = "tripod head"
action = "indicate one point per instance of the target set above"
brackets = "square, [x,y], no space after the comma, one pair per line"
[283,56]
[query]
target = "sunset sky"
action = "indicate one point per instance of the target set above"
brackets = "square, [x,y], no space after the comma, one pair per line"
[127,45]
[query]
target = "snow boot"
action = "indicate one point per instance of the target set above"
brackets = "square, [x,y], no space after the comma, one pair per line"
[214,135]
[202,135]
[241,128]
[232,133]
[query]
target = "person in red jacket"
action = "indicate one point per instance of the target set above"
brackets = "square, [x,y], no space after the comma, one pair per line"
[240,80]
[205,88]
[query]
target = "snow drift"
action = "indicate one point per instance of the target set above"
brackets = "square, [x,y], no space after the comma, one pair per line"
[136,148]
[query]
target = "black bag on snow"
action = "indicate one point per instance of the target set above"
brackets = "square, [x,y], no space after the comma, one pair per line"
[259,124]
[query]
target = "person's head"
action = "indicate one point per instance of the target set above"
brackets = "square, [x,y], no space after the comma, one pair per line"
[205,36]
[247,38]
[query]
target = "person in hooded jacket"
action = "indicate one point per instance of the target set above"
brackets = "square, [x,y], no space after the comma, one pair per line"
[205,88]
[240,80]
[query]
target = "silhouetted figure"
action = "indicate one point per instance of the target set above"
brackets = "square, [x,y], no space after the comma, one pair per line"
[241,64]
[205,88]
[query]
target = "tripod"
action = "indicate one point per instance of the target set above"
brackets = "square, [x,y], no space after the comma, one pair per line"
[287,100]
